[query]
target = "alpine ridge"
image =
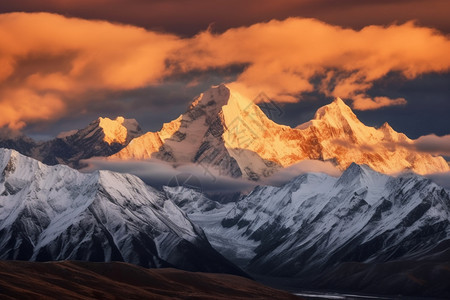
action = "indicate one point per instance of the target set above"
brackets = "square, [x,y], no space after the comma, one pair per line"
[57,213]
[101,137]
[316,221]
[227,132]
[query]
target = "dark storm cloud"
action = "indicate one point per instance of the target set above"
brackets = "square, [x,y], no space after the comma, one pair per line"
[187,17]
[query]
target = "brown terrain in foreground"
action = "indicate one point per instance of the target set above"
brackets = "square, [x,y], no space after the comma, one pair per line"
[87,280]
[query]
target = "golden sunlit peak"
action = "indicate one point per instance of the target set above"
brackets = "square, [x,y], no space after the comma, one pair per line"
[339,101]
[117,131]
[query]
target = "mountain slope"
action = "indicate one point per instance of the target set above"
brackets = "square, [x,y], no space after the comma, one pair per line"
[57,213]
[227,132]
[103,137]
[317,221]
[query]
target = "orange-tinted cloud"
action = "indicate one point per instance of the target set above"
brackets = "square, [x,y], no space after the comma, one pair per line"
[48,61]
[283,57]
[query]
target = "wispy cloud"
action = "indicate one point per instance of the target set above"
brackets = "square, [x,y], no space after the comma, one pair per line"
[306,166]
[439,145]
[284,56]
[158,173]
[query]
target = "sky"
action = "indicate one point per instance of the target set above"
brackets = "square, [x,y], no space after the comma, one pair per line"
[64,63]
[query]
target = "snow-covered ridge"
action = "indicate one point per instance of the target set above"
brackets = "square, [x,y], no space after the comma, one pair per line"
[316,221]
[58,213]
[101,137]
[224,130]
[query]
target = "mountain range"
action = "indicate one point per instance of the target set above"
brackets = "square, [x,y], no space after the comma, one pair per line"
[334,232]
[103,137]
[231,134]
[58,213]
[228,133]
[316,227]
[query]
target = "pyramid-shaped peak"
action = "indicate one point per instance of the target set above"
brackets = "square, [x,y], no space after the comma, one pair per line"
[386,127]
[355,172]
[215,95]
[336,113]
[338,101]
[339,105]
[218,100]
[119,130]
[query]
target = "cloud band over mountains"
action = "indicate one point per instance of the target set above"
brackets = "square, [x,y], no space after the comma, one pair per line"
[49,62]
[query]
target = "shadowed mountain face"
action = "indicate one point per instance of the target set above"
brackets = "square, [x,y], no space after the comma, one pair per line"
[427,276]
[57,213]
[317,221]
[103,137]
[86,280]
[409,278]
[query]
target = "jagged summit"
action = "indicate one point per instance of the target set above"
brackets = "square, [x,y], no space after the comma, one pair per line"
[225,131]
[216,124]
[215,96]
[120,130]
[337,105]
[362,174]
[102,137]
[306,226]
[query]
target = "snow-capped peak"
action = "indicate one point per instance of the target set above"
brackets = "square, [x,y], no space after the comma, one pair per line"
[336,114]
[215,96]
[229,132]
[117,131]
[357,173]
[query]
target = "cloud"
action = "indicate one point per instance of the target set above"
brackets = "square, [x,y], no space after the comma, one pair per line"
[49,62]
[442,179]
[433,144]
[284,57]
[158,173]
[306,166]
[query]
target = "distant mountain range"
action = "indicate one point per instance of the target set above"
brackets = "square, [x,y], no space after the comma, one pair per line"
[315,228]
[230,134]
[103,137]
